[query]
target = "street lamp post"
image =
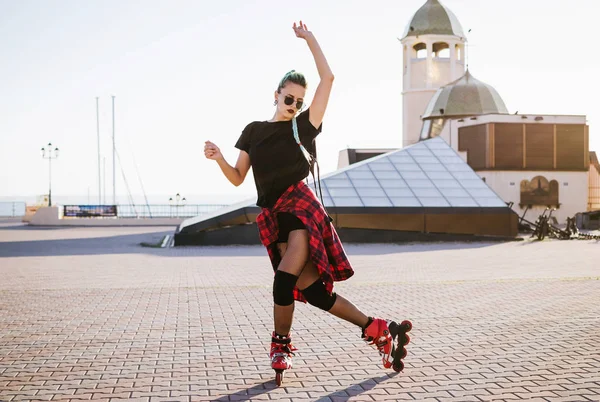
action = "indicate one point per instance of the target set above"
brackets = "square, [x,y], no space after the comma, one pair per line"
[50,154]
[177,202]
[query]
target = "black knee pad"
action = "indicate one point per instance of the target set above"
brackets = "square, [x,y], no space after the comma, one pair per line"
[283,288]
[317,295]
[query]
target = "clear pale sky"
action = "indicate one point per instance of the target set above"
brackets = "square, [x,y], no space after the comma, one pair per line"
[188,71]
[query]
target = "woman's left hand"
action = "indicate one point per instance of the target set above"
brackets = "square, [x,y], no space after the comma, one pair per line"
[301,31]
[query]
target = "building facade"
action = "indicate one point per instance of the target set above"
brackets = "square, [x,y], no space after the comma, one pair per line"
[533,162]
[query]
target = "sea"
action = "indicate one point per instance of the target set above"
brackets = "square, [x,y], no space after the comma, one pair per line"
[152,206]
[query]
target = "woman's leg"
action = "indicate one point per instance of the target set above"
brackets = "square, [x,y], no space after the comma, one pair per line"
[294,255]
[342,307]
[385,335]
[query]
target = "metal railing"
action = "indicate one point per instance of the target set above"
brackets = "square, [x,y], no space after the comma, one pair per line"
[17,209]
[165,210]
[12,209]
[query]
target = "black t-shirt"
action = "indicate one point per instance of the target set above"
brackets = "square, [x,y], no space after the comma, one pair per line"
[277,160]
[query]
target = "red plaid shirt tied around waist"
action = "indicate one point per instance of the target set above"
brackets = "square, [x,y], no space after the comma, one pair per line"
[326,250]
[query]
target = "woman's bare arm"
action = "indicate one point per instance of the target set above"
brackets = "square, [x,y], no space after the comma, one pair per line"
[236,175]
[319,103]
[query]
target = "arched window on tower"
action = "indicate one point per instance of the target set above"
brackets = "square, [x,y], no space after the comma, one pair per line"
[441,50]
[420,51]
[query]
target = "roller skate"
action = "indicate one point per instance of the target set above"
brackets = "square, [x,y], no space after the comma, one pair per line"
[281,355]
[390,339]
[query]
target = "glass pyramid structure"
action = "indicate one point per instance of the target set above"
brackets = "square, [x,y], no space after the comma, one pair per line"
[426,174]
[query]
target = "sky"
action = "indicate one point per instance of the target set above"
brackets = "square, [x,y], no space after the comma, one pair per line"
[186,71]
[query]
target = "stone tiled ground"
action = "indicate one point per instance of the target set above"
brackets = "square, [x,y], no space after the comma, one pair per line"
[87,313]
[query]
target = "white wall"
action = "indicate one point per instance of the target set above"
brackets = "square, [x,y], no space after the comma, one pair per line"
[573,196]
[418,74]
[594,186]
[343,159]
[414,104]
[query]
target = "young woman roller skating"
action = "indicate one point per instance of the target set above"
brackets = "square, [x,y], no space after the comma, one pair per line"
[302,244]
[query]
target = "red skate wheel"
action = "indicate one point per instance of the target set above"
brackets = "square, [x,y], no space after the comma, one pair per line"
[398,367]
[279,377]
[404,353]
[406,339]
[407,325]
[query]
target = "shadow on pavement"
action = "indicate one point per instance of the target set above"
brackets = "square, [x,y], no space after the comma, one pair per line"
[344,395]
[341,395]
[25,227]
[247,394]
[123,244]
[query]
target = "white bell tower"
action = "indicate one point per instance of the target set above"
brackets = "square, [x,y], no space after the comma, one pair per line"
[433,47]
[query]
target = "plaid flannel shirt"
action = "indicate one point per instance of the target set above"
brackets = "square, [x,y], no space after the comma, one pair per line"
[326,250]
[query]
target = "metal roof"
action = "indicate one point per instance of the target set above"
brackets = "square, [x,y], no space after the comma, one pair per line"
[433,18]
[467,96]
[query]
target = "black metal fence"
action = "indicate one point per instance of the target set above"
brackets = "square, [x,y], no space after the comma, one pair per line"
[18,209]
[12,209]
[165,210]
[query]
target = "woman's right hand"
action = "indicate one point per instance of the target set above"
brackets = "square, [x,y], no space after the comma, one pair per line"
[211,151]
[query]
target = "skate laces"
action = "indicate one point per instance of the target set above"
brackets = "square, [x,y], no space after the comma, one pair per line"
[283,350]
[282,346]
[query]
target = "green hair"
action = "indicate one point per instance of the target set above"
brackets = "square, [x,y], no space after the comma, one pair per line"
[294,77]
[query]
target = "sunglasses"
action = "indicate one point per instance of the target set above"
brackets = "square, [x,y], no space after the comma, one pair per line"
[289,100]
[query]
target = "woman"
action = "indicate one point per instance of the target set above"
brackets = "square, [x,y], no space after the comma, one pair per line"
[303,246]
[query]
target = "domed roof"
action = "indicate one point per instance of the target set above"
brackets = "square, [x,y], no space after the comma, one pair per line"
[467,96]
[433,18]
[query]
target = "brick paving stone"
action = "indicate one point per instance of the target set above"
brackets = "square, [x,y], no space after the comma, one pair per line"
[503,397]
[396,397]
[130,399]
[88,314]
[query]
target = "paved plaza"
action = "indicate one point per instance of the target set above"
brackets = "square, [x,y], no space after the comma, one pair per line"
[90,314]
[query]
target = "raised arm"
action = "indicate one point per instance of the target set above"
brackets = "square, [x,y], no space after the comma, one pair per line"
[319,103]
[235,175]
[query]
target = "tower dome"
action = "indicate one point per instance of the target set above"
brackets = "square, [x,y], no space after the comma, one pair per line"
[433,18]
[467,96]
